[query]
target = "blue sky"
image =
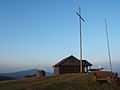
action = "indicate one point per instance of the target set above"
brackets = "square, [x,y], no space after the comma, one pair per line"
[39,33]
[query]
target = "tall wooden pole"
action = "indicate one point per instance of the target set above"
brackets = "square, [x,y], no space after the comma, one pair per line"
[81,63]
[108,46]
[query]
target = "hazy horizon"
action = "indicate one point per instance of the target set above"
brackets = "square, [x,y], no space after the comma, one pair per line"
[49,68]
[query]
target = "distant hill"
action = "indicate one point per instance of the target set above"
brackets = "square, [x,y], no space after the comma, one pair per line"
[21,74]
[119,74]
[6,78]
[75,81]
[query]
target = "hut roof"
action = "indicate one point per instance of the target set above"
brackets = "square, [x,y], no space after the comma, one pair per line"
[85,62]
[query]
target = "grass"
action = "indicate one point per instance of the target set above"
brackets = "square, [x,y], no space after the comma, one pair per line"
[58,82]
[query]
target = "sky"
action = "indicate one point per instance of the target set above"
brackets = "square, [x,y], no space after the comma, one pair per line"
[40,33]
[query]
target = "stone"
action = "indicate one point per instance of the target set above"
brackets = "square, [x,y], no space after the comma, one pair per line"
[40,73]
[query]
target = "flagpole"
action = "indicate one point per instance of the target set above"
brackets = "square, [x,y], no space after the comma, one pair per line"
[108,45]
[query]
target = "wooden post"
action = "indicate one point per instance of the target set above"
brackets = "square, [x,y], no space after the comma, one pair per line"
[81,63]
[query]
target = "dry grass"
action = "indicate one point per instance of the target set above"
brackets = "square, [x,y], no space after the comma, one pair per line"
[59,82]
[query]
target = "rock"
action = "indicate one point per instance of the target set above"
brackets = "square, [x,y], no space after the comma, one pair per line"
[40,73]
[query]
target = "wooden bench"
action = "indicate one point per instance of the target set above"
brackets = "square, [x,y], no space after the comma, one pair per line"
[110,77]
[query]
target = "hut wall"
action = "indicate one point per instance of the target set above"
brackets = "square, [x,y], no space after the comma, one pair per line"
[69,69]
[56,70]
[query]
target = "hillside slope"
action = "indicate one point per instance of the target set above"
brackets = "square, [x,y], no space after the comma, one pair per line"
[59,82]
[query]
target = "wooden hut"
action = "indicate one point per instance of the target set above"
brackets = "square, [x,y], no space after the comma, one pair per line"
[71,65]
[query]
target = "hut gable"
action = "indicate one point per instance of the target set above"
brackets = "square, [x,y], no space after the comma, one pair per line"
[71,60]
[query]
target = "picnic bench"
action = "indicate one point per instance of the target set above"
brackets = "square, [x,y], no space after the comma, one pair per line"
[110,77]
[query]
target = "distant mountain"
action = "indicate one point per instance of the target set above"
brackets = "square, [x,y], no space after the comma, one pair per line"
[21,74]
[119,74]
[49,74]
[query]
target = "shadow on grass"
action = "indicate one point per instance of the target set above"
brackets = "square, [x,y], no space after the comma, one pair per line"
[106,82]
[103,81]
[118,81]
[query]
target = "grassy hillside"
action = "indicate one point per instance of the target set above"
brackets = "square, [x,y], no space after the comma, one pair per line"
[59,82]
